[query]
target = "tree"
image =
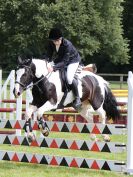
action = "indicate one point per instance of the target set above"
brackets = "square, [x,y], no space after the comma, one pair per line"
[128,27]
[93,26]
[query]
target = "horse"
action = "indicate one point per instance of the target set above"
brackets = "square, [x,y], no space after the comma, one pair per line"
[95,93]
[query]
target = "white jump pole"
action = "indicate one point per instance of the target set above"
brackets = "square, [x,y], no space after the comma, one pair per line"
[0,88]
[129,169]
[12,82]
[19,112]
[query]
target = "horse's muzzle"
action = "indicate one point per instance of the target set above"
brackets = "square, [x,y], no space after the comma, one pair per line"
[16,93]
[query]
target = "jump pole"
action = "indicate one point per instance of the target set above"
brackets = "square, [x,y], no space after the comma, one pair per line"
[130,125]
[19,112]
[0,87]
[12,83]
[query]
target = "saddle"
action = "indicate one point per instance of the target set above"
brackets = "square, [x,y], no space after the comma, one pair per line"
[65,86]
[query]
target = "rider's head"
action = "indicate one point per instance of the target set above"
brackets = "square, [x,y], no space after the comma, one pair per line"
[55,35]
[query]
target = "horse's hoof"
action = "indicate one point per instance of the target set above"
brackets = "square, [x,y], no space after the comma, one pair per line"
[39,126]
[93,137]
[31,138]
[106,138]
[45,131]
[97,139]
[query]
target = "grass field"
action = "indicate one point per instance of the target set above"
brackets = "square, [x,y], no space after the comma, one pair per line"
[118,86]
[30,170]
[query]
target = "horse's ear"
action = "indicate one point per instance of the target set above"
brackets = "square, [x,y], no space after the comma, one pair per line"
[19,61]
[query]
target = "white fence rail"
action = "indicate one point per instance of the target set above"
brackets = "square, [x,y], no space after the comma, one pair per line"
[130,124]
[3,91]
[6,92]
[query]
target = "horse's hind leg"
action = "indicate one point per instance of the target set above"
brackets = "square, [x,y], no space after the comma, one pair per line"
[87,113]
[102,119]
[28,128]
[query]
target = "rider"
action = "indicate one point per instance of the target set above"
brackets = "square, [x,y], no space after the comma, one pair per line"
[66,56]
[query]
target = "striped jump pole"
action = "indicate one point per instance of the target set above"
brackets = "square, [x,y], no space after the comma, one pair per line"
[12,101]
[10,110]
[61,143]
[67,161]
[68,127]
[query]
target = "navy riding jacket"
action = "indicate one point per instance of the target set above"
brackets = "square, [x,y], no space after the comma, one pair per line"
[66,54]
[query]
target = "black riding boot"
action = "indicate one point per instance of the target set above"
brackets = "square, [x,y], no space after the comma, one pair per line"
[77,102]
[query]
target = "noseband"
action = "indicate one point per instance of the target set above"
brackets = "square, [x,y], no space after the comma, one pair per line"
[22,85]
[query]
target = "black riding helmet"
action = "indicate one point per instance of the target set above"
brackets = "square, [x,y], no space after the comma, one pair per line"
[55,34]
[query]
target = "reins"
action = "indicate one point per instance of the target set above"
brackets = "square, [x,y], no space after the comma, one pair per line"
[39,81]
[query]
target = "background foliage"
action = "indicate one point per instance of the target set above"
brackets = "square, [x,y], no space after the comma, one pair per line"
[95,28]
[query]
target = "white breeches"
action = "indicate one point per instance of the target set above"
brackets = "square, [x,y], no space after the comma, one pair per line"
[71,69]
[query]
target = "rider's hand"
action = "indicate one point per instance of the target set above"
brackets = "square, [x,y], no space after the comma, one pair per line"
[50,68]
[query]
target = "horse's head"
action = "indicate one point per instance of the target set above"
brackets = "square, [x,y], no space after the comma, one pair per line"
[24,76]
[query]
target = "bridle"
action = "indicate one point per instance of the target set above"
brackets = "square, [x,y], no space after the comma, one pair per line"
[35,83]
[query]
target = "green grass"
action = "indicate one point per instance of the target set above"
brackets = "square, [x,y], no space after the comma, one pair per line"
[114,85]
[8,169]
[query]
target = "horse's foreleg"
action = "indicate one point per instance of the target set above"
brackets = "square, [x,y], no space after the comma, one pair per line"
[42,126]
[102,119]
[41,123]
[28,127]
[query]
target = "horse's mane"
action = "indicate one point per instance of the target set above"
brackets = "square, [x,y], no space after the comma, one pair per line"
[41,66]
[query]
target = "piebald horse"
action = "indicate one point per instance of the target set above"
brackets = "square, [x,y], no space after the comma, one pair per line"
[47,94]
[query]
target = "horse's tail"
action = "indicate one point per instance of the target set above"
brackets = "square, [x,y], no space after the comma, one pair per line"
[110,105]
